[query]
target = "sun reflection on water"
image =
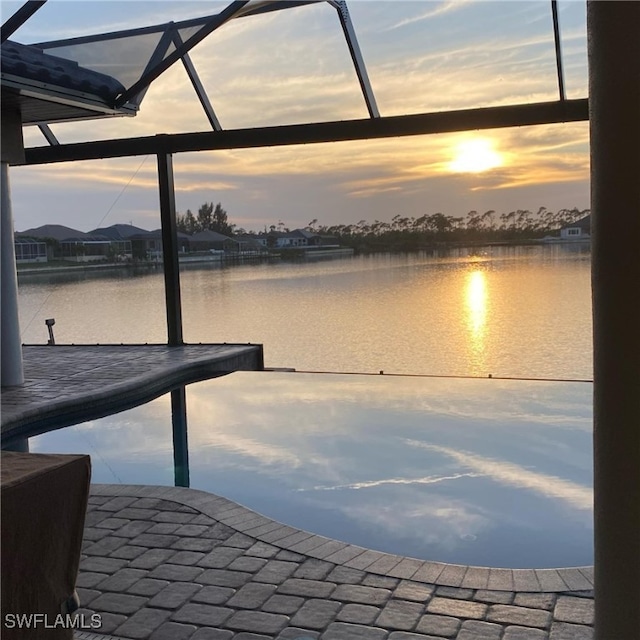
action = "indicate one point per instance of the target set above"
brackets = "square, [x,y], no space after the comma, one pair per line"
[476,307]
[477,304]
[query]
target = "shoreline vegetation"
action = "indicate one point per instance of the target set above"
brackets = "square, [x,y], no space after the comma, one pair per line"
[430,233]
[406,233]
[440,231]
[60,266]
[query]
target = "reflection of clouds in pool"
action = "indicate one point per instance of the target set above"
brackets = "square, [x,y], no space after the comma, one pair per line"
[514,475]
[264,453]
[443,522]
[278,399]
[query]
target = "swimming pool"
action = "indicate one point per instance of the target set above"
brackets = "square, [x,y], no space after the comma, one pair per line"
[472,471]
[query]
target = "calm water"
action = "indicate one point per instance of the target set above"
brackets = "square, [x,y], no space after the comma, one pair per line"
[485,472]
[519,311]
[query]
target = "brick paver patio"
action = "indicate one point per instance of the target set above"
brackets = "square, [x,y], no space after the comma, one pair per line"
[170,563]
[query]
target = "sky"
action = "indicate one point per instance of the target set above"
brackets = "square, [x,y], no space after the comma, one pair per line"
[293,66]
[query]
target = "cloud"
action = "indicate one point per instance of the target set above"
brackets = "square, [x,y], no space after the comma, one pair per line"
[439,9]
[263,453]
[397,481]
[445,523]
[513,475]
[71,18]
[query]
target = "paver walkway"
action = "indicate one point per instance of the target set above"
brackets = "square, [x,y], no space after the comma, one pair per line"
[171,563]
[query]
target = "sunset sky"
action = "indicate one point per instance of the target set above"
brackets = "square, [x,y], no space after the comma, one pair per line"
[292,67]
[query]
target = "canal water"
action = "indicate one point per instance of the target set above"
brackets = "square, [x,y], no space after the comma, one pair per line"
[508,311]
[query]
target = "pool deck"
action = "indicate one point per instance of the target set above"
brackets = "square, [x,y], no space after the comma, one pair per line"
[169,563]
[67,383]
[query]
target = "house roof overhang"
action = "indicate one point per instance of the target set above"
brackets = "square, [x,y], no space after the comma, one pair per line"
[44,88]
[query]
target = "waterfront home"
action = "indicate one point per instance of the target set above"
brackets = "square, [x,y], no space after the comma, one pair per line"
[56,232]
[120,236]
[207,240]
[289,239]
[85,248]
[29,250]
[147,245]
[134,242]
[578,230]
[65,243]
[118,231]
[249,244]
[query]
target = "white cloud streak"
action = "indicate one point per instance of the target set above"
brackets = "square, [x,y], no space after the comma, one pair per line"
[399,481]
[514,475]
[441,8]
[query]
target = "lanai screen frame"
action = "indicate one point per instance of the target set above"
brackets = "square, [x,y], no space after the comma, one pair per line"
[161,59]
[163,146]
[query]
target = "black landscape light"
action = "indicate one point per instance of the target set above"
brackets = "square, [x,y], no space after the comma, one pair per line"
[50,322]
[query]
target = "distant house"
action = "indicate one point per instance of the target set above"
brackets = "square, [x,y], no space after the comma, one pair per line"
[208,240]
[71,244]
[29,250]
[579,230]
[297,238]
[148,244]
[86,248]
[120,236]
[54,231]
[118,231]
[52,235]
[134,242]
[249,243]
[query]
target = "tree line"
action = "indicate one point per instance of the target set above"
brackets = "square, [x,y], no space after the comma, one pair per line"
[406,233]
[208,218]
[410,232]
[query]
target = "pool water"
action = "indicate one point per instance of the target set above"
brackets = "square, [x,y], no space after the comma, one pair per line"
[472,471]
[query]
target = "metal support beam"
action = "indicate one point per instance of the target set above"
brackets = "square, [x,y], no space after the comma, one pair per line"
[11,372]
[170,249]
[364,129]
[180,444]
[556,37]
[356,56]
[156,58]
[149,76]
[614,90]
[48,134]
[197,85]
[19,18]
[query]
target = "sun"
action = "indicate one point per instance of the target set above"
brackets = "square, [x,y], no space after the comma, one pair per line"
[475,155]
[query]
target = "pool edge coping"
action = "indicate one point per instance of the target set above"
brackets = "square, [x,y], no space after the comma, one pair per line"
[264,529]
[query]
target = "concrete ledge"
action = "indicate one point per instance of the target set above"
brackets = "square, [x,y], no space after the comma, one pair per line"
[66,384]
